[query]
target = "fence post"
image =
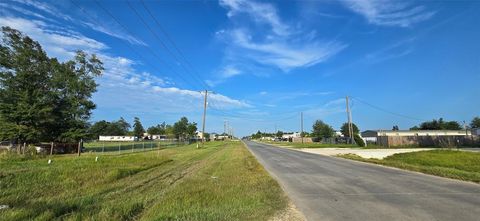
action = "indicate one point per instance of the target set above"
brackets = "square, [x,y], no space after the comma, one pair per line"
[79,147]
[51,149]
[119,147]
[24,146]
[143,146]
[103,147]
[133,146]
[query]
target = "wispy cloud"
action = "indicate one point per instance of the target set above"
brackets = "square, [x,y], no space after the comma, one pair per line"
[58,42]
[259,39]
[389,12]
[100,24]
[122,86]
[259,12]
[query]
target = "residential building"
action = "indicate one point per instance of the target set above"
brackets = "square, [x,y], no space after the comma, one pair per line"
[117,138]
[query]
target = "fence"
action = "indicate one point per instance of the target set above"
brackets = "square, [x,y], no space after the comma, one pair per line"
[440,141]
[104,147]
[136,146]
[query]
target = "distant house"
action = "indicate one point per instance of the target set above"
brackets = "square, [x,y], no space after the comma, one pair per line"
[117,138]
[291,135]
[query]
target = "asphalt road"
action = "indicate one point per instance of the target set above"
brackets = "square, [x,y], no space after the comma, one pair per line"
[328,188]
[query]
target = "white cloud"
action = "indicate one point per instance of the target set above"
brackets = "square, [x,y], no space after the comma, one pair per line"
[57,42]
[230,71]
[100,24]
[278,44]
[389,12]
[286,55]
[260,12]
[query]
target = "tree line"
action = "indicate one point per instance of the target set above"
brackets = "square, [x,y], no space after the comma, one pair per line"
[182,129]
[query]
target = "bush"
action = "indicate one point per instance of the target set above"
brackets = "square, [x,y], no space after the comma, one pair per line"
[358,140]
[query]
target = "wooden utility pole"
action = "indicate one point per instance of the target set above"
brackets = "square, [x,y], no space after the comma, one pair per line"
[301,123]
[350,128]
[80,147]
[204,115]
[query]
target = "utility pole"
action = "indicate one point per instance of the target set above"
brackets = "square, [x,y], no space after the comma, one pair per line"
[301,125]
[204,115]
[350,128]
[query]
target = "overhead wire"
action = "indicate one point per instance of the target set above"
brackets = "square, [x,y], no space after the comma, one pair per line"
[387,111]
[148,48]
[164,46]
[172,42]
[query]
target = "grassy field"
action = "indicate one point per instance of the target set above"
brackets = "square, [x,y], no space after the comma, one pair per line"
[222,181]
[454,164]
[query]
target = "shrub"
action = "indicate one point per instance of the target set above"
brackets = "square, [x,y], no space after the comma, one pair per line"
[358,140]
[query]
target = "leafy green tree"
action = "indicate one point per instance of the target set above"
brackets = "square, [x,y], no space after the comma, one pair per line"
[395,128]
[183,129]
[42,99]
[105,128]
[138,127]
[439,124]
[191,129]
[279,133]
[415,128]
[475,122]
[158,129]
[358,140]
[322,130]
[344,129]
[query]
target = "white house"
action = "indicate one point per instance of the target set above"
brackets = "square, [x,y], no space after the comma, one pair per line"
[117,138]
[291,135]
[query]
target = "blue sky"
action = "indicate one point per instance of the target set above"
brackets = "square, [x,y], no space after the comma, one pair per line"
[402,62]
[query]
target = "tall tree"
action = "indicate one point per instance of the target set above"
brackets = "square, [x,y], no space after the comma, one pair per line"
[105,128]
[344,129]
[138,127]
[439,124]
[475,122]
[40,97]
[157,130]
[322,130]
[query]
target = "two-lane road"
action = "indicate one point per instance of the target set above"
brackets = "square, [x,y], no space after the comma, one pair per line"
[327,188]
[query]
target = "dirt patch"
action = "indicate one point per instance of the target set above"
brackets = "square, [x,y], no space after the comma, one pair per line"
[290,213]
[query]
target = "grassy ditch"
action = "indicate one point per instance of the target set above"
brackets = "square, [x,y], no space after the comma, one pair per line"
[462,165]
[222,181]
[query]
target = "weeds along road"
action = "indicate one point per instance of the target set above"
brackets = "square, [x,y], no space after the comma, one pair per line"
[328,188]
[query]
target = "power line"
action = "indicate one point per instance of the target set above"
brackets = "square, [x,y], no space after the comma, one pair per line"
[172,42]
[137,14]
[387,111]
[149,49]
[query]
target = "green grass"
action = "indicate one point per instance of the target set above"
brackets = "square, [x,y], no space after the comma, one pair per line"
[462,165]
[222,181]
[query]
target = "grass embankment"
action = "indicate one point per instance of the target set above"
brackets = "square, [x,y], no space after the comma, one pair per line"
[454,164]
[222,181]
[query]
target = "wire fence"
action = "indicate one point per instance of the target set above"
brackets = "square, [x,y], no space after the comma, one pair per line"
[108,147]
